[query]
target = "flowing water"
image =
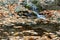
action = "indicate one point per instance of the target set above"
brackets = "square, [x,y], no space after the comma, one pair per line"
[34,9]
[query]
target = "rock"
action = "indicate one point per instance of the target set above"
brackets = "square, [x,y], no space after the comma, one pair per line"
[17,26]
[30,32]
[57,38]
[18,33]
[51,35]
[17,9]
[58,33]
[15,38]
[32,38]
[3,39]
[48,4]
[45,38]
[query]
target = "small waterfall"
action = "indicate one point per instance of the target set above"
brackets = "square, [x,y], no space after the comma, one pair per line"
[39,16]
[34,8]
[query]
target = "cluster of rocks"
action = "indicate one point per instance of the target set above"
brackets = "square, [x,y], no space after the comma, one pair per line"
[17,21]
[48,4]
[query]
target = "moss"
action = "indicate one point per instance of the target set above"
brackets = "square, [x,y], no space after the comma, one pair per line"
[34,2]
[39,8]
[26,6]
[58,19]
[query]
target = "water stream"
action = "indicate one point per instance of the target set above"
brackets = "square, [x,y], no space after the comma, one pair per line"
[35,10]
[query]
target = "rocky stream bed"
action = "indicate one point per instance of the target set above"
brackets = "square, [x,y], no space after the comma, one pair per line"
[21,22]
